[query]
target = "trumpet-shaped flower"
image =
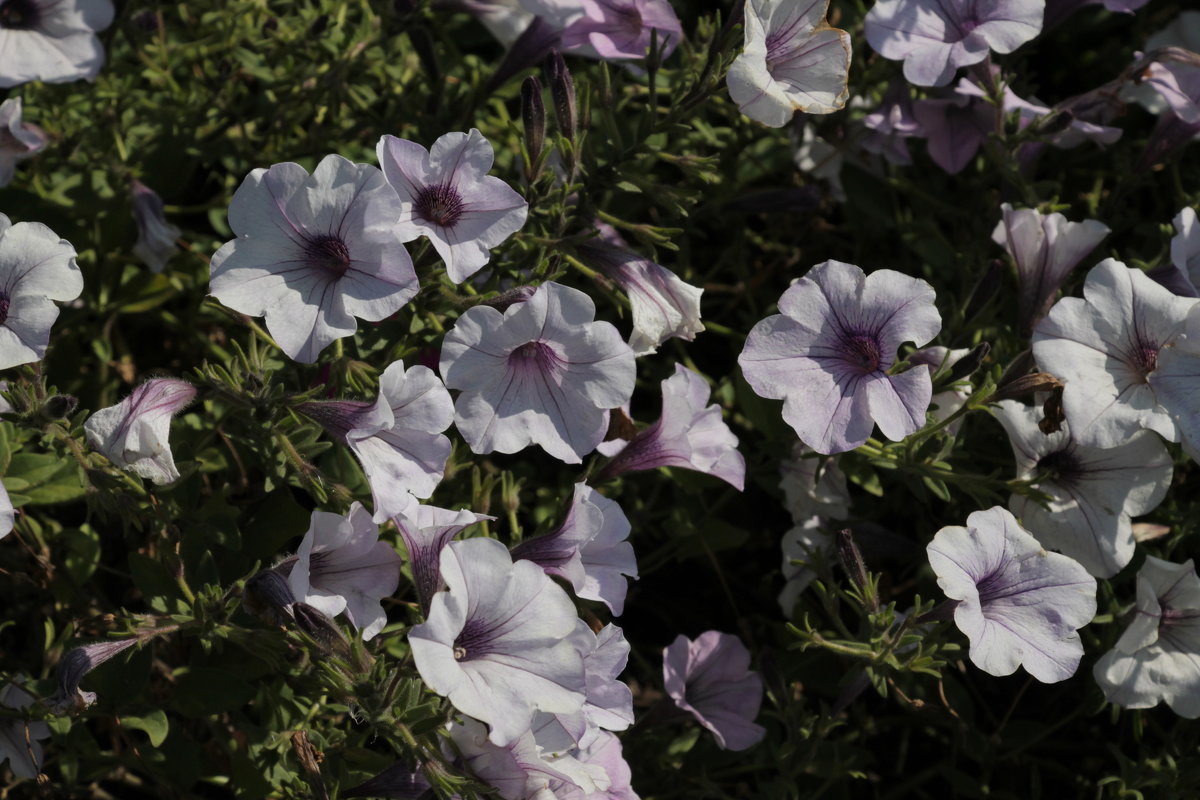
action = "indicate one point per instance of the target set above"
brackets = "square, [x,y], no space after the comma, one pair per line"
[1093,492]
[18,738]
[51,40]
[663,305]
[792,61]
[828,355]
[341,566]
[313,252]
[426,530]
[589,550]
[609,703]
[497,643]
[156,236]
[689,435]
[711,679]
[891,126]
[1105,347]
[1018,604]
[18,140]
[620,29]
[936,37]
[1045,248]
[36,268]
[1158,656]
[446,194]
[543,372]
[398,438]
[134,433]
[954,129]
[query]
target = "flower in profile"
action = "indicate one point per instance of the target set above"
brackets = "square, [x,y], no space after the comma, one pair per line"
[589,550]
[1045,248]
[954,129]
[341,566]
[1158,656]
[134,433]
[36,268]
[313,252]
[447,195]
[663,305]
[1094,492]
[156,236]
[77,663]
[18,738]
[497,643]
[936,37]
[828,355]
[543,372]
[620,29]
[792,61]
[398,438]
[1018,604]
[689,434]
[53,41]
[426,530]
[891,126]
[18,140]
[1105,346]
[711,679]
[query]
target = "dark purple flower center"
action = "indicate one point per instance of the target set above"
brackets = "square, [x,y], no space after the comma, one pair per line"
[327,253]
[19,15]
[5,300]
[1145,358]
[440,204]
[537,356]
[475,641]
[861,350]
[1061,465]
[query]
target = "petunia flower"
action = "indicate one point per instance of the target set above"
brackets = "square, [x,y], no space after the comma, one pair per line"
[313,252]
[497,643]
[663,305]
[18,139]
[156,236]
[609,703]
[1045,248]
[1018,604]
[792,61]
[77,663]
[447,195]
[620,29]
[936,37]
[891,126]
[812,486]
[134,433]
[1158,656]
[1105,347]
[426,530]
[543,372]
[828,355]
[589,550]
[1078,128]
[397,439]
[803,542]
[341,566]
[18,738]
[36,268]
[711,679]
[689,434]
[1093,492]
[51,40]
[954,129]
[1185,254]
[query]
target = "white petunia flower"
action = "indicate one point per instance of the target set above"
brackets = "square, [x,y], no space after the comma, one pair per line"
[36,268]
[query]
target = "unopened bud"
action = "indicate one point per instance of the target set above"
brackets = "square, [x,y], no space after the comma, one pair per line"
[533,116]
[562,89]
[59,406]
[966,366]
[268,595]
[322,629]
[1027,384]
[504,300]
[856,569]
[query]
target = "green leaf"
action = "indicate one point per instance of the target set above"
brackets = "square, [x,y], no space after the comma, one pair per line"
[154,725]
[49,478]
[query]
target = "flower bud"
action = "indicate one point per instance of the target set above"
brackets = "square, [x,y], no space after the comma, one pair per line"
[856,569]
[562,88]
[59,406]
[533,116]
[268,595]
[966,366]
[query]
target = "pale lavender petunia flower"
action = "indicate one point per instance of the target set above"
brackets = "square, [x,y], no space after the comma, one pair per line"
[426,530]
[946,402]
[609,703]
[1105,348]
[497,643]
[711,679]
[133,434]
[954,129]
[589,550]
[156,236]
[1094,492]
[1185,253]
[1018,604]
[543,372]
[313,252]
[1158,656]
[18,738]
[804,542]
[341,566]
[620,29]
[398,439]
[690,434]
[18,139]
[936,37]
[1176,381]
[1045,248]
[36,268]
[77,663]
[663,305]
[1077,131]
[447,195]
[828,355]
[891,126]
[51,40]
[604,752]
[813,486]
[792,61]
